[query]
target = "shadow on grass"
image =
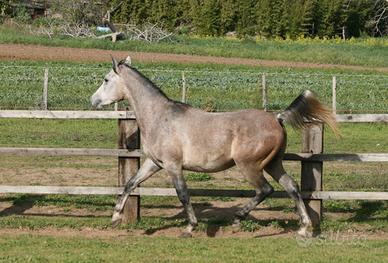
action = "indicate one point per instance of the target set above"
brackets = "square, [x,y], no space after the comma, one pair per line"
[213,219]
[367,210]
[20,204]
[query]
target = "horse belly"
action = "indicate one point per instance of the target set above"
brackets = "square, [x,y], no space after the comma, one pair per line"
[207,161]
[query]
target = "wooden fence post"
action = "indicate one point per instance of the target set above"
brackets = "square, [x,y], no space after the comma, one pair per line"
[311,172]
[334,95]
[129,138]
[184,88]
[45,89]
[264,92]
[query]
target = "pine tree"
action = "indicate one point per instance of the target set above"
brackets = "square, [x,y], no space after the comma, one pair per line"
[182,13]
[330,25]
[246,24]
[163,12]
[309,18]
[195,14]
[263,12]
[210,18]
[228,16]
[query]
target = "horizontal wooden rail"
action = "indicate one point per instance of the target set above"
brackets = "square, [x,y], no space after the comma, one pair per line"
[70,152]
[35,114]
[362,117]
[38,114]
[335,157]
[356,157]
[146,191]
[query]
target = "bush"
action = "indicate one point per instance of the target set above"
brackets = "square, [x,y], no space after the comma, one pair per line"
[22,15]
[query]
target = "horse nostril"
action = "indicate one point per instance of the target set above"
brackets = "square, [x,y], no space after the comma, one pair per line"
[96,102]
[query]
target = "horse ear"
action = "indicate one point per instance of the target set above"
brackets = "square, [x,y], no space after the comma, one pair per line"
[128,60]
[114,64]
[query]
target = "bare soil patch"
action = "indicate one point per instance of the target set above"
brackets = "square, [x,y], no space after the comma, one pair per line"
[45,53]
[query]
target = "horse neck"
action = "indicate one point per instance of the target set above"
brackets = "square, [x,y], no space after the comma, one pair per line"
[146,100]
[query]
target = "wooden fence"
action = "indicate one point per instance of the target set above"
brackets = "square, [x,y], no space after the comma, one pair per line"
[129,153]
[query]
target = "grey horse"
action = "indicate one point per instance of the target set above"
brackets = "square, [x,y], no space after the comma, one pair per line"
[177,137]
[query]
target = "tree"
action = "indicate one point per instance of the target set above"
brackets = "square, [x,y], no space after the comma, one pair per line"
[246,24]
[331,25]
[209,23]
[228,16]
[309,18]
[164,12]
[264,18]
[378,22]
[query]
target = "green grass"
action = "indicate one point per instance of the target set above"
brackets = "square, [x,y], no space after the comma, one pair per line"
[366,52]
[198,177]
[162,249]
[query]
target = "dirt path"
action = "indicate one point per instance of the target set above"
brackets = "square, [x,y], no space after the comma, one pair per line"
[45,53]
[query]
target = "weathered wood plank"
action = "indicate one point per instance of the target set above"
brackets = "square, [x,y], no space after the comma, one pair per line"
[71,152]
[38,114]
[335,157]
[45,89]
[339,195]
[27,114]
[311,172]
[146,191]
[356,157]
[362,117]
[129,139]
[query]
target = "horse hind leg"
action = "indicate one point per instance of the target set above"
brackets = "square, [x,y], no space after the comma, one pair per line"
[256,178]
[276,170]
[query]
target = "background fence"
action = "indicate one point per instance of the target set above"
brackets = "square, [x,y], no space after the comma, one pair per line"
[69,88]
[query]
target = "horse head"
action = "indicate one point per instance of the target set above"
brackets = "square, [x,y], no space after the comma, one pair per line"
[112,88]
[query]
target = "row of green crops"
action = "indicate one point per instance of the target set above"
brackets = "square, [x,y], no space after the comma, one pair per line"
[71,86]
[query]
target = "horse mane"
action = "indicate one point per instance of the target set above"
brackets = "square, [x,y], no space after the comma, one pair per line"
[147,81]
[144,79]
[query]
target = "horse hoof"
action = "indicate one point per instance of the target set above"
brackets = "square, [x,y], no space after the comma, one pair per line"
[305,232]
[116,222]
[185,235]
[116,219]
[236,227]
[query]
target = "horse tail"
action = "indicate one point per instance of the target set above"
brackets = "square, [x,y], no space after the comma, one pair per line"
[305,110]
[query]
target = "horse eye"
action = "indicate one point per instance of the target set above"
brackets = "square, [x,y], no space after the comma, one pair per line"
[106,80]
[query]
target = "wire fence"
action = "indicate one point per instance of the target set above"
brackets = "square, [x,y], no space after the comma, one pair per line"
[71,87]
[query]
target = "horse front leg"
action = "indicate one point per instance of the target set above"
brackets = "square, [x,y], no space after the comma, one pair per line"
[183,195]
[146,170]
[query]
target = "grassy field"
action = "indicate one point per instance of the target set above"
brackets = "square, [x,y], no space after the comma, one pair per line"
[65,249]
[365,52]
